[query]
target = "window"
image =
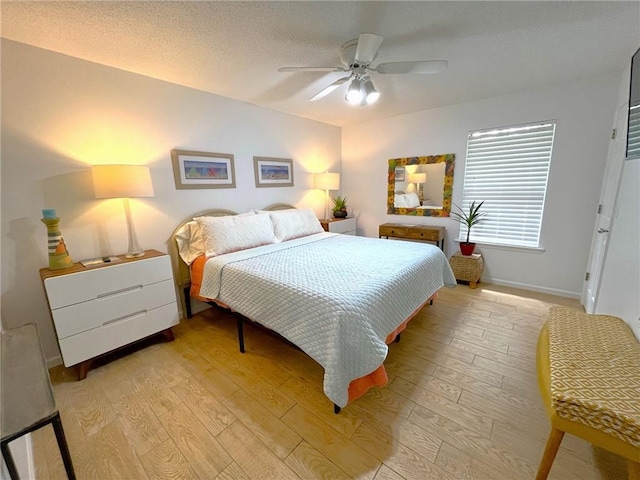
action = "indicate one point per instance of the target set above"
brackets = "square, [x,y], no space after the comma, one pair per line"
[507,168]
[633,135]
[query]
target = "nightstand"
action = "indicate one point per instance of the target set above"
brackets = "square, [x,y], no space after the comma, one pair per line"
[98,310]
[346,226]
[467,268]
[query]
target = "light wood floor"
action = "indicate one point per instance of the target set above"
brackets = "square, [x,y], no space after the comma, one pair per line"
[461,403]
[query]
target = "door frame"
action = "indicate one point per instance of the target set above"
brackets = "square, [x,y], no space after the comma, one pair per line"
[606,208]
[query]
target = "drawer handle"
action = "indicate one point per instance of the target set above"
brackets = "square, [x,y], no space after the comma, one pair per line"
[119,292]
[125,317]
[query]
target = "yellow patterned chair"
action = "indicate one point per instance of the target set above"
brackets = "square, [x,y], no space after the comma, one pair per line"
[589,376]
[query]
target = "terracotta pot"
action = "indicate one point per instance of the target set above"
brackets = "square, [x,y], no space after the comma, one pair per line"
[467,248]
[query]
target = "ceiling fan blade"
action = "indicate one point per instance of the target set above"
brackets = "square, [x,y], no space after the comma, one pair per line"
[368,45]
[429,66]
[327,90]
[311,69]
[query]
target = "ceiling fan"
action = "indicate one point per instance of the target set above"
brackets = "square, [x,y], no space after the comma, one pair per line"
[357,55]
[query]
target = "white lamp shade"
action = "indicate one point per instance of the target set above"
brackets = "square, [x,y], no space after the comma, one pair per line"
[371,95]
[122,181]
[354,93]
[327,181]
[417,178]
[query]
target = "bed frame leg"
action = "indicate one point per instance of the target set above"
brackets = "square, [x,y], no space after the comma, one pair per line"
[431,302]
[187,301]
[397,339]
[336,409]
[240,333]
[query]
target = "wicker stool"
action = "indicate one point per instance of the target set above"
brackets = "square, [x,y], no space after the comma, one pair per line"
[467,268]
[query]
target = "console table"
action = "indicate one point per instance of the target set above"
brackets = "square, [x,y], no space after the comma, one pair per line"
[413,232]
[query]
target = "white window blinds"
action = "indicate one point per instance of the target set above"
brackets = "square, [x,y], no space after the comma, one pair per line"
[633,140]
[507,168]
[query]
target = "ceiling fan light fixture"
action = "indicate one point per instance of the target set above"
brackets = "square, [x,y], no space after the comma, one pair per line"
[371,95]
[354,93]
[356,56]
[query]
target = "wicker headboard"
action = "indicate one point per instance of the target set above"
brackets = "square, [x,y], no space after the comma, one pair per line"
[181,272]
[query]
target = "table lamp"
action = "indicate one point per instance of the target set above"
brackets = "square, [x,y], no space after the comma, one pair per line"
[124,181]
[418,178]
[326,181]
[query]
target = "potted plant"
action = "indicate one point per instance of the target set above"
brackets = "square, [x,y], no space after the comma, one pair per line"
[468,219]
[339,207]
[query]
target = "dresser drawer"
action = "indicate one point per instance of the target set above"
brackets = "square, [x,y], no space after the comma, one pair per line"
[95,313]
[104,282]
[393,231]
[97,341]
[424,234]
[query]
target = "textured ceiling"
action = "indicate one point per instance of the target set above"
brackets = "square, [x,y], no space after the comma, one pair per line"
[234,48]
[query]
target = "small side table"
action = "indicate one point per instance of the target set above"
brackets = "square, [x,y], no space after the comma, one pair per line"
[467,268]
[346,226]
[27,397]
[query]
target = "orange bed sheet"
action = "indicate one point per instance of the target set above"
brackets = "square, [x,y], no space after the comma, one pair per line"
[357,387]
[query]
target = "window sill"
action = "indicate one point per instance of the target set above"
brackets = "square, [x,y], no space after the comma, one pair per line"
[510,248]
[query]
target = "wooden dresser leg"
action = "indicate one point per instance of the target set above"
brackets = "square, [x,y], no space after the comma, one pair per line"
[83,368]
[168,334]
[472,284]
[553,443]
[633,469]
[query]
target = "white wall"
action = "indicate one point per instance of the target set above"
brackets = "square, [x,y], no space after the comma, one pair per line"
[61,114]
[583,112]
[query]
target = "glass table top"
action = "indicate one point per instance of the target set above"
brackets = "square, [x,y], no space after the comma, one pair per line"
[25,386]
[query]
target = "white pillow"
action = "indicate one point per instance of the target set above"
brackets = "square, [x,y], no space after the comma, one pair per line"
[412,200]
[399,200]
[189,240]
[237,232]
[294,223]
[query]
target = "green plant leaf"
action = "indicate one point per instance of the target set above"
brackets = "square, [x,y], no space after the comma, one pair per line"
[339,203]
[470,218]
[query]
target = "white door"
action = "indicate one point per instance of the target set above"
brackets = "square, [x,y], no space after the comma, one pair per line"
[600,238]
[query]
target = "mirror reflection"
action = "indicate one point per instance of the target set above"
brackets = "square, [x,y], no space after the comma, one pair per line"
[420,186]
[633,130]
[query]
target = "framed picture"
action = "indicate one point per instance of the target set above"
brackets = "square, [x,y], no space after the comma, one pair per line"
[273,172]
[399,174]
[203,169]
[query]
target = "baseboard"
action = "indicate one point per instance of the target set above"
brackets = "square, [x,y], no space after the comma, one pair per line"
[54,361]
[196,307]
[533,288]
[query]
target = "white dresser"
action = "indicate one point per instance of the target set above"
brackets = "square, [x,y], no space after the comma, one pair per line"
[346,226]
[97,310]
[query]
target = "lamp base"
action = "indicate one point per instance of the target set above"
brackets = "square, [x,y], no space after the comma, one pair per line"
[134,250]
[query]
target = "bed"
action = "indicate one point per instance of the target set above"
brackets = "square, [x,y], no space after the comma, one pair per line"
[341,299]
